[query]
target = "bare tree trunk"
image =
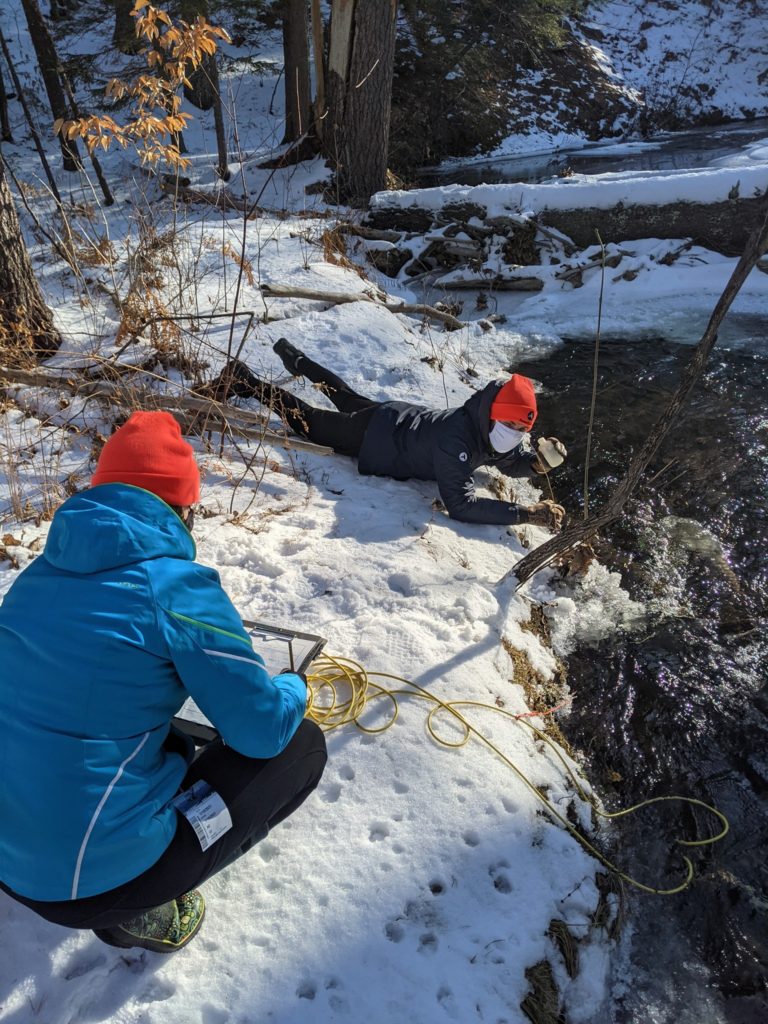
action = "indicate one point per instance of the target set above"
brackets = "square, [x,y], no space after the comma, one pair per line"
[222,168]
[5,124]
[124,35]
[26,324]
[318,50]
[296,77]
[583,530]
[49,68]
[360,67]
[28,116]
[201,91]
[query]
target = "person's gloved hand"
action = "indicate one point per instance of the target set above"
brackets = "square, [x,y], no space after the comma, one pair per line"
[547,514]
[552,453]
[292,671]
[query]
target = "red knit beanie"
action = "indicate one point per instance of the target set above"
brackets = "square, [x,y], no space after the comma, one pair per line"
[516,402]
[148,451]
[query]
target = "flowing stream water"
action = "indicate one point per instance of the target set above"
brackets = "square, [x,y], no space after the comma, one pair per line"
[700,147]
[680,703]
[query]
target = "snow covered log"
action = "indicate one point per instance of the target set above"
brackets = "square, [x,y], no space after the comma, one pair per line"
[716,207]
[723,227]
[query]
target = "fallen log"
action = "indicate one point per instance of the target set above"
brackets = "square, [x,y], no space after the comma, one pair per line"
[287,291]
[370,234]
[723,226]
[493,284]
[197,414]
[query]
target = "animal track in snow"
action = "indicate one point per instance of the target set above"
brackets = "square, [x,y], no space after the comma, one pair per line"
[400,787]
[85,966]
[268,851]
[509,805]
[159,990]
[470,837]
[347,772]
[394,931]
[428,943]
[501,882]
[446,999]
[331,793]
[213,1015]
[307,990]
[379,832]
[336,1001]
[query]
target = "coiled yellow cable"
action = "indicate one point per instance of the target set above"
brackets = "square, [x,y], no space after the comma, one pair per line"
[340,690]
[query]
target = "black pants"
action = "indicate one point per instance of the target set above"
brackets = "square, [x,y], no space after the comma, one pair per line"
[259,794]
[343,430]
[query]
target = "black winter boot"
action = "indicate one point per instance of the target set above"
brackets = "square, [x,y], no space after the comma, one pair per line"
[164,929]
[290,356]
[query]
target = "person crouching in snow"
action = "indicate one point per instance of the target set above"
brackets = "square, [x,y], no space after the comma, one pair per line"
[405,441]
[102,639]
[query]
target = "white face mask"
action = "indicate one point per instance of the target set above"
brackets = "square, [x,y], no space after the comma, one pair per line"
[503,439]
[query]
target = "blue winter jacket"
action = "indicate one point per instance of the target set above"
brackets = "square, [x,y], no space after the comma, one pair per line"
[410,442]
[102,639]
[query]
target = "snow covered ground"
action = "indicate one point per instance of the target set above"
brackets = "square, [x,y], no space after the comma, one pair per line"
[418,883]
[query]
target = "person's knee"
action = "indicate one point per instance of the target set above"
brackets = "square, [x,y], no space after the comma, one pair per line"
[308,752]
[311,739]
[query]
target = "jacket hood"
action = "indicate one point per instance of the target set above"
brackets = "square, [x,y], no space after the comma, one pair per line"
[478,408]
[115,524]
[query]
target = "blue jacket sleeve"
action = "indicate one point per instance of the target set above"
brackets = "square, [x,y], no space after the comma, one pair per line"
[255,713]
[457,489]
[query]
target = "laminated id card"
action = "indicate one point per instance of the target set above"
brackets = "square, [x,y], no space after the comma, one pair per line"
[205,811]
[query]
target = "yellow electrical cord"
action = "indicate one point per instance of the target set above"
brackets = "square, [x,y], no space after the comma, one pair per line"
[330,706]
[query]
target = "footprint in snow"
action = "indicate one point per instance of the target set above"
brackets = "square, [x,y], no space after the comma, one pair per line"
[331,793]
[307,990]
[445,998]
[379,832]
[85,966]
[337,1002]
[501,881]
[213,1015]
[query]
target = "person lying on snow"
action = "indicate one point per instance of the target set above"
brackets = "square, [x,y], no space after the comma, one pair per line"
[102,639]
[407,441]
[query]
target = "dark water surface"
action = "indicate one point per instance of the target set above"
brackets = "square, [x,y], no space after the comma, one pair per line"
[680,706]
[673,151]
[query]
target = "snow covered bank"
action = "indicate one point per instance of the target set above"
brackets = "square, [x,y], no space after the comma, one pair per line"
[418,881]
[599,191]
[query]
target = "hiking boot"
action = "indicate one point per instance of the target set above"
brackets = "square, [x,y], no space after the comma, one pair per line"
[163,929]
[290,356]
[240,381]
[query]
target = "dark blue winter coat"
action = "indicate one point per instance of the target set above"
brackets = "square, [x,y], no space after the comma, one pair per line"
[102,639]
[410,442]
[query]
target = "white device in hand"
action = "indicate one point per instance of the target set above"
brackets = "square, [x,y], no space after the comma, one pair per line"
[549,454]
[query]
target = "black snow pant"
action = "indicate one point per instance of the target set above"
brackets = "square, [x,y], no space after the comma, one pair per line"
[258,793]
[343,430]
